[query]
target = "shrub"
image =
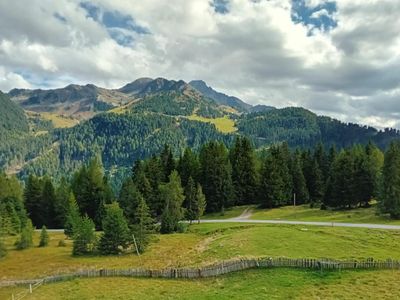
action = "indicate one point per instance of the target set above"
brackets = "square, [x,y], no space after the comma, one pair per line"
[44,237]
[26,238]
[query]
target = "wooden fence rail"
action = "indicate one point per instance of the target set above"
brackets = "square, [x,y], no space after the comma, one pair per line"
[220,268]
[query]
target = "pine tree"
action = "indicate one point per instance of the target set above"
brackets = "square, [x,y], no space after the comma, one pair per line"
[299,183]
[26,238]
[143,225]
[33,200]
[84,236]
[244,175]
[47,205]
[73,216]
[129,199]
[189,166]
[190,200]
[391,181]
[216,176]
[61,204]
[167,161]
[200,203]
[173,197]
[116,234]
[44,237]
[272,187]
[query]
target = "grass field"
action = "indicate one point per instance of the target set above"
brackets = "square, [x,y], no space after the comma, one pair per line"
[224,124]
[229,213]
[305,213]
[59,121]
[251,284]
[207,243]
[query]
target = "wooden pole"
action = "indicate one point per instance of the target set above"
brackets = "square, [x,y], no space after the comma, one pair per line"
[134,240]
[30,288]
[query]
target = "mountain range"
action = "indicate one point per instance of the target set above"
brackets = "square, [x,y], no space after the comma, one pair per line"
[63,128]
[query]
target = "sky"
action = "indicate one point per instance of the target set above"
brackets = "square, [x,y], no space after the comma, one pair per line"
[338,58]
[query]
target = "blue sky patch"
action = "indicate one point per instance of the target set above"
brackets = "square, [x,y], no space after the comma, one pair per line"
[320,16]
[220,6]
[120,27]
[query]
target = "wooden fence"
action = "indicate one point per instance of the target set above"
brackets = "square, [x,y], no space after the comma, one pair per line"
[221,268]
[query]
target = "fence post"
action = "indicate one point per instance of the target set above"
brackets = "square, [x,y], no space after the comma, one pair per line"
[30,288]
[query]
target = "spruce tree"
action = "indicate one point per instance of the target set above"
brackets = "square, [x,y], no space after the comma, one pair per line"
[48,204]
[73,216]
[129,198]
[190,200]
[173,197]
[116,236]
[189,166]
[44,237]
[143,225]
[244,175]
[33,200]
[84,236]
[299,183]
[272,186]
[61,204]
[216,176]
[391,181]
[26,238]
[167,161]
[201,203]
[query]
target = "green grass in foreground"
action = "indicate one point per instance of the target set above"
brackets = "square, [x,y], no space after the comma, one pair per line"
[251,284]
[305,213]
[207,243]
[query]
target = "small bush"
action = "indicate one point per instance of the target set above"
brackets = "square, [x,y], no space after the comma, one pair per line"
[62,243]
[182,227]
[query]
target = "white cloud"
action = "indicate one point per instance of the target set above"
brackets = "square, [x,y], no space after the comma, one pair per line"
[255,51]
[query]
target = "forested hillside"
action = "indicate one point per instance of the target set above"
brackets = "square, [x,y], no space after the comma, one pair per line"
[154,113]
[301,127]
[12,117]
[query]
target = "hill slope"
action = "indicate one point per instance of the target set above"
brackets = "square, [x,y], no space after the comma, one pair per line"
[12,117]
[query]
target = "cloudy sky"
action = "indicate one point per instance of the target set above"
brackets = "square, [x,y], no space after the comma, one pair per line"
[339,58]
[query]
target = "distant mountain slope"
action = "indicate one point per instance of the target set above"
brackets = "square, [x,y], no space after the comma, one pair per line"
[12,117]
[260,108]
[301,127]
[218,97]
[146,86]
[73,100]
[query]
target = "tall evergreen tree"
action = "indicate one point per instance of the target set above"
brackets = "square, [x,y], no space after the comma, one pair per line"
[173,197]
[84,236]
[73,216]
[143,225]
[167,161]
[116,234]
[391,181]
[33,200]
[244,175]
[61,204]
[48,204]
[189,166]
[129,199]
[299,182]
[216,176]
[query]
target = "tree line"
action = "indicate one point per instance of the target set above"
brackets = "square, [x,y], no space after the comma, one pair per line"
[166,189]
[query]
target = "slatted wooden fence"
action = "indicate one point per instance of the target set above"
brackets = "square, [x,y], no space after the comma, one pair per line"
[221,268]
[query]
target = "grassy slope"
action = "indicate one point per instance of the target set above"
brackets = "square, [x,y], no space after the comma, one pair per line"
[206,243]
[223,124]
[229,213]
[258,284]
[304,213]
